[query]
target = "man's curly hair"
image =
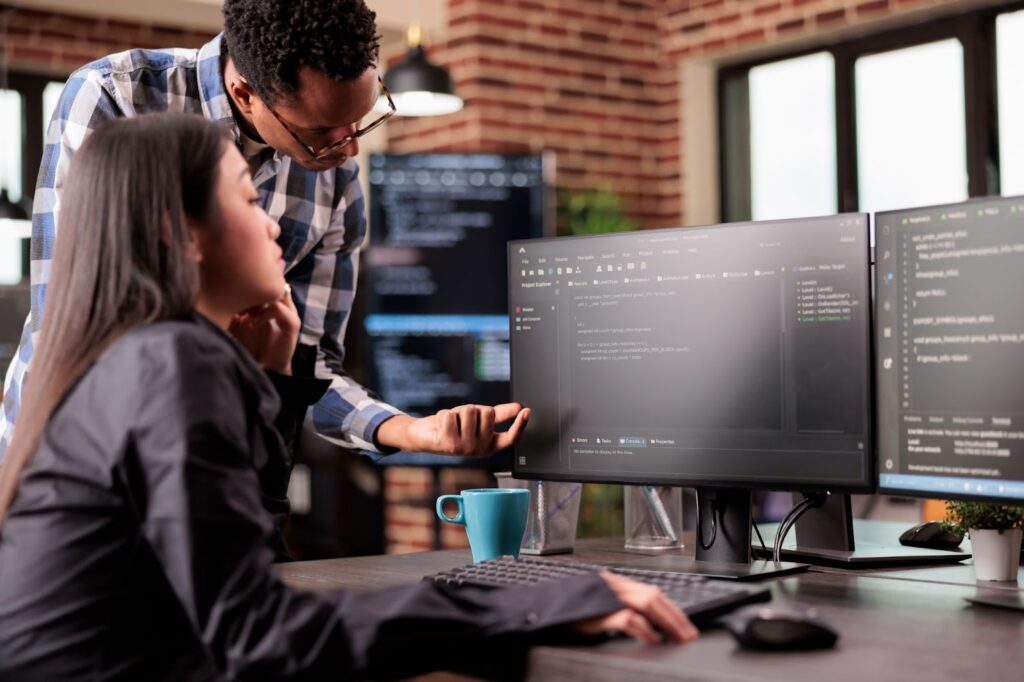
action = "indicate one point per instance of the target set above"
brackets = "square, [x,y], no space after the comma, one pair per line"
[269,40]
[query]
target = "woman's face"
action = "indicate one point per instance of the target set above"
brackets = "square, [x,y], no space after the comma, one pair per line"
[241,264]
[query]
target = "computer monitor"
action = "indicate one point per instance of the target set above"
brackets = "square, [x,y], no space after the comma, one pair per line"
[727,358]
[435,289]
[950,362]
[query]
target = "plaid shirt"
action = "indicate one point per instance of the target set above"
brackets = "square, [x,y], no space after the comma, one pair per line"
[321,216]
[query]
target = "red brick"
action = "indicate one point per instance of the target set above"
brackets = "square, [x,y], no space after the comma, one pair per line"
[489,81]
[516,24]
[728,19]
[30,14]
[531,48]
[571,13]
[50,34]
[594,37]
[750,36]
[790,25]
[609,21]
[32,54]
[767,9]
[555,71]
[171,36]
[531,87]
[872,7]
[713,45]
[490,40]
[831,16]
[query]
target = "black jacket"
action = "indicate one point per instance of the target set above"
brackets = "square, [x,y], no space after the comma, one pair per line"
[139,546]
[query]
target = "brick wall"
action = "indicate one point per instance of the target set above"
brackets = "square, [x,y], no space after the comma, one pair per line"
[584,79]
[57,44]
[598,81]
[717,27]
[409,507]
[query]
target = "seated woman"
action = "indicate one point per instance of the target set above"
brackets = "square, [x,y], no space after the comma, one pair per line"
[135,538]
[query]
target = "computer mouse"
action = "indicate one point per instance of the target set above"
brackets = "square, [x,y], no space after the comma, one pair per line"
[775,629]
[931,535]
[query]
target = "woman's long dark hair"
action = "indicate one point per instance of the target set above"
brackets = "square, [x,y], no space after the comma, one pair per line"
[121,258]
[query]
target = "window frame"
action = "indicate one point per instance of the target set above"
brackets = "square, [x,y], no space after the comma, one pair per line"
[976,32]
[30,86]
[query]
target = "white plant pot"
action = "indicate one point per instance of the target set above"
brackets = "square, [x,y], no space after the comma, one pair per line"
[996,554]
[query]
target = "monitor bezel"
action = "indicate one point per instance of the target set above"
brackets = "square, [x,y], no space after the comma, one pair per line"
[870,481]
[925,494]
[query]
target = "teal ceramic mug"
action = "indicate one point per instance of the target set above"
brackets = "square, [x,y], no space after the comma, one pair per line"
[495,519]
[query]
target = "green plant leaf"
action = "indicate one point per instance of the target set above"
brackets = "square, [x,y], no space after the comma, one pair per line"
[962,516]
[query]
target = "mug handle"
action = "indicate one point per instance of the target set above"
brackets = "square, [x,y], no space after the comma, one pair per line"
[459,518]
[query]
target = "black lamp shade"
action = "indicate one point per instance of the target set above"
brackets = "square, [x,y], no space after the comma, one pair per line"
[417,73]
[420,88]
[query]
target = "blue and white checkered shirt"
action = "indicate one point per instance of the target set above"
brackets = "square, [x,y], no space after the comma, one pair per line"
[321,216]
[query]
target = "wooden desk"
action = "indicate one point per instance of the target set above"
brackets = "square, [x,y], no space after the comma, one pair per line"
[891,629]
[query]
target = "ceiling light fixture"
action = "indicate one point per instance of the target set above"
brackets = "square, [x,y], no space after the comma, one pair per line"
[418,87]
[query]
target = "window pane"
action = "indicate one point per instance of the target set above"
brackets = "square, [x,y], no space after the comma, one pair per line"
[10,143]
[793,138]
[51,94]
[911,130]
[10,258]
[10,179]
[1009,57]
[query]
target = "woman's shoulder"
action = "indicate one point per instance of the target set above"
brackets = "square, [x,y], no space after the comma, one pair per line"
[187,350]
[186,333]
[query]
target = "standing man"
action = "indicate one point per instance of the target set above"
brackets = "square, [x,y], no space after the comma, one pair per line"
[296,82]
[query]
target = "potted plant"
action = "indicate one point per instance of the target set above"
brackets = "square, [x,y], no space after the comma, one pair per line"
[995,532]
[593,211]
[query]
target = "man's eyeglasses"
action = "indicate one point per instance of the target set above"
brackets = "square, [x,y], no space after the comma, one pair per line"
[334,148]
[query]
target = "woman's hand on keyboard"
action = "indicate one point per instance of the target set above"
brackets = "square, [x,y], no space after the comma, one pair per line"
[647,612]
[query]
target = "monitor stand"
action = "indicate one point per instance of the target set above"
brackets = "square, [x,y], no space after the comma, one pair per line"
[723,542]
[825,535]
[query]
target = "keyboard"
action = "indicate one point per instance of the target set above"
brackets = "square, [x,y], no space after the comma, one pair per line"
[698,597]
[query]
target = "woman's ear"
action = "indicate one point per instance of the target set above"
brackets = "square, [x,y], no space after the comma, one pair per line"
[193,250]
[193,232]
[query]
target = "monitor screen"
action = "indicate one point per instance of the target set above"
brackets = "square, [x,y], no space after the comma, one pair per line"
[727,356]
[439,224]
[435,292]
[950,340]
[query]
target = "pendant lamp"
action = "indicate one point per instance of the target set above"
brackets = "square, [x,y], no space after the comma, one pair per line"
[418,87]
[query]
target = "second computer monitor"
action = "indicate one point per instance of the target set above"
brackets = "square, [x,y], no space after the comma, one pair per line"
[735,356]
[950,340]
